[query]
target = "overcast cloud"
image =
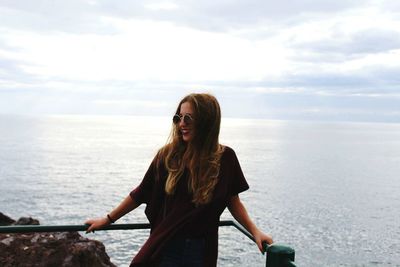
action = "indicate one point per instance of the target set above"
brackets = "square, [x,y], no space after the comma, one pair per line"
[325,60]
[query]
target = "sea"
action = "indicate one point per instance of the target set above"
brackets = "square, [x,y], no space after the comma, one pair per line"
[329,190]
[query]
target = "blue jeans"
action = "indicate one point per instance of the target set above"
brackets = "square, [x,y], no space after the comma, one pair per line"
[183,252]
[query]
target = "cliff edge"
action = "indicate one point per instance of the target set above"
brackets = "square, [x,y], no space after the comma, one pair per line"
[49,249]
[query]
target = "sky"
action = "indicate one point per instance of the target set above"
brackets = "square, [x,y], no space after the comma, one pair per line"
[291,60]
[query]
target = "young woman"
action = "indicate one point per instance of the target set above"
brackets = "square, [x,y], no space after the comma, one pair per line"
[188,185]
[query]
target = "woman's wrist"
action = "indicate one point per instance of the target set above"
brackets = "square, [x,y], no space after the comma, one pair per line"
[254,230]
[110,220]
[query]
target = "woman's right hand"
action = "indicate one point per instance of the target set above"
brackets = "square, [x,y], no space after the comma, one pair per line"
[97,223]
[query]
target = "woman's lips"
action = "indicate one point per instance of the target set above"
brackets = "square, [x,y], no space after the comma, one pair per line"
[185,131]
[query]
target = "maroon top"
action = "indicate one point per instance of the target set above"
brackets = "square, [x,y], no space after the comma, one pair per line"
[176,215]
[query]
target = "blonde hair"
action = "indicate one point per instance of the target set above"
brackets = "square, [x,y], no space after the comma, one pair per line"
[201,155]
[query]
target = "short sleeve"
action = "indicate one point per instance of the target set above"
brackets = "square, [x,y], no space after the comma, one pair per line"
[237,181]
[142,193]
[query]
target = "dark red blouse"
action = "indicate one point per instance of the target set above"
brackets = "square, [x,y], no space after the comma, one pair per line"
[176,215]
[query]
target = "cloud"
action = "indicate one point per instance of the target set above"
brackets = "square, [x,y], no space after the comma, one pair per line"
[369,81]
[53,16]
[350,46]
[322,107]
[86,16]
[146,50]
[341,81]
[271,58]
[13,75]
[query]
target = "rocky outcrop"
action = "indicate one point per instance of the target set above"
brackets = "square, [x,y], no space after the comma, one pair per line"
[49,249]
[5,220]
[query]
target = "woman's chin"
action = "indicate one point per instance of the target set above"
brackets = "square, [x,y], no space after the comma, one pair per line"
[186,138]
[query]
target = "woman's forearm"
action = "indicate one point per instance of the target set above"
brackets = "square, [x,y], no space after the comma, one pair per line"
[126,206]
[239,212]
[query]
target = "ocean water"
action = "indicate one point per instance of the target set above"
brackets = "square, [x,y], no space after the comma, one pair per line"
[329,190]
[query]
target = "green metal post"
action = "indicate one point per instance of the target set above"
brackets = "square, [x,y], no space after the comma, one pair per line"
[279,256]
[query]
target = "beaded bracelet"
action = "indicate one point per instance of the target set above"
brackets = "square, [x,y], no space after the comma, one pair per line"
[109,218]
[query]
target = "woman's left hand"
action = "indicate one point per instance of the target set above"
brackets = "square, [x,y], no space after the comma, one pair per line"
[261,237]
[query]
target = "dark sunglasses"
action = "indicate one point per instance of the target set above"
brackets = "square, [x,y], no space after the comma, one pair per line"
[187,119]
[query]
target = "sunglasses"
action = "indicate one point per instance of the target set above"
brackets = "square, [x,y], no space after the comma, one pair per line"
[187,119]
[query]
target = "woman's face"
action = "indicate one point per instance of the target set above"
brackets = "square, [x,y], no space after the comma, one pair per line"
[186,126]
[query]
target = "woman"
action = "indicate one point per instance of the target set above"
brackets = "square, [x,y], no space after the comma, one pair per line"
[186,188]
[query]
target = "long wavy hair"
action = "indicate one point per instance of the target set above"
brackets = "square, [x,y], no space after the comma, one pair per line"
[201,155]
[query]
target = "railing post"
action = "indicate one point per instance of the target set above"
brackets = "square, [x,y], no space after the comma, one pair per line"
[280,256]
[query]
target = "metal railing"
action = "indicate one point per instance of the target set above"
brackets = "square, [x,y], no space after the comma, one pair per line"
[277,255]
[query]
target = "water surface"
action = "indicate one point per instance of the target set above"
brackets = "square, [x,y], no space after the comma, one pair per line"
[329,190]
